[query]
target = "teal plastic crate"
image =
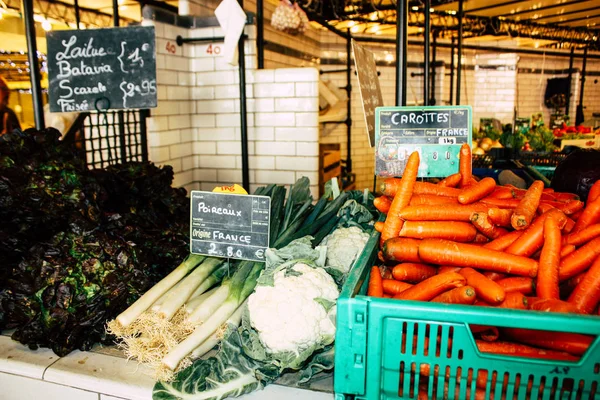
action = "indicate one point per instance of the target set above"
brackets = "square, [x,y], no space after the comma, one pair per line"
[381,345]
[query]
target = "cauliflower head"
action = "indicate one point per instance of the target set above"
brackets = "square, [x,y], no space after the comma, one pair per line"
[291,315]
[343,247]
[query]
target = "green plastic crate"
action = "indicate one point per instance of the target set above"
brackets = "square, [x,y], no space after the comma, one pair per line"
[381,344]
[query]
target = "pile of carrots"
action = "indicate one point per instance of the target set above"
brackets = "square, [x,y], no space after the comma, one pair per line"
[464,241]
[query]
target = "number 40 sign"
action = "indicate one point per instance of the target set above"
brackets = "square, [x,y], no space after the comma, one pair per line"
[211,50]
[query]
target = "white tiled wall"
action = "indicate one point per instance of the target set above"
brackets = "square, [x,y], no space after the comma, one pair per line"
[196,127]
[496,87]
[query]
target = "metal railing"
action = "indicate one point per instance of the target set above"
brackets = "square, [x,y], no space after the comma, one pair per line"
[111,137]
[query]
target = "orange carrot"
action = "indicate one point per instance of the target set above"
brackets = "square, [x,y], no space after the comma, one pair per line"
[502,192]
[481,239]
[515,300]
[544,207]
[493,276]
[465,166]
[525,211]
[461,295]
[402,249]
[393,223]
[393,287]
[432,287]
[569,225]
[481,221]
[451,230]
[521,350]
[382,204]
[532,238]
[579,260]
[503,242]
[378,226]
[413,272]
[519,284]
[575,216]
[565,197]
[547,279]
[387,296]
[477,191]
[449,212]
[500,216]
[572,343]
[566,250]
[445,252]
[552,305]
[487,333]
[390,186]
[446,268]
[486,289]
[451,180]
[572,207]
[583,236]
[589,216]
[375,287]
[594,192]
[586,295]
[418,199]
[501,203]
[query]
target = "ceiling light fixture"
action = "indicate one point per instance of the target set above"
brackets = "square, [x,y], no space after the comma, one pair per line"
[46,25]
[415,8]
[355,29]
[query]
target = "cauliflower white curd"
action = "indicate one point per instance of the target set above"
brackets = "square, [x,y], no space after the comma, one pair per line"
[287,316]
[344,245]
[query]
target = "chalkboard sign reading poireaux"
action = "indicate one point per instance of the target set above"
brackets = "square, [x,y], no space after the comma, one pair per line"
[230,225]
[113,68]
[435,132]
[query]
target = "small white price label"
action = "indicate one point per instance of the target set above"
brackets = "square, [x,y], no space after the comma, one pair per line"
[447,140]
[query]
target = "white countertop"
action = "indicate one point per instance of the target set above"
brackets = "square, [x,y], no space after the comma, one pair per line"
[103,374]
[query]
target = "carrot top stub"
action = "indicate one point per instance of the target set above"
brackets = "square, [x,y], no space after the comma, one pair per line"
[446,252]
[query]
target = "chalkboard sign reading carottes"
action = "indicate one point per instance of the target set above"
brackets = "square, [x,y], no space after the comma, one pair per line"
[435,132]
[230,225]
[368,82]
[92,69]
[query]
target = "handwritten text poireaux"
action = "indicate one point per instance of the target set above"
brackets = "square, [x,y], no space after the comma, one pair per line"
[203,208]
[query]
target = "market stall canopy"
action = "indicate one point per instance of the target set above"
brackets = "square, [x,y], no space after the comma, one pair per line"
[533,23]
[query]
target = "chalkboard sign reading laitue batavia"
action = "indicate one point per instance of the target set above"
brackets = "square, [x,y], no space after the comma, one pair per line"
[368,82]
[112,68]
[230,225]
[435,132]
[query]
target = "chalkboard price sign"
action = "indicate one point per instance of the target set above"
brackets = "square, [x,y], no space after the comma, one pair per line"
[230,225]
[113,68]
[368,82]
[435,132]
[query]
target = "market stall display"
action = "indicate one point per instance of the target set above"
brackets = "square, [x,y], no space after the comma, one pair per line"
[534,250]
[79,245]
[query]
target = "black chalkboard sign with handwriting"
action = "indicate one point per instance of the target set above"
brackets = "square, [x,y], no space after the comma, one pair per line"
[436,132]
[370,92]
[230,225]
[113,68]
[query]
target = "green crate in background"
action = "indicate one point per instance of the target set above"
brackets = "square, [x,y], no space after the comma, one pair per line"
[381,345]
[548,172]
